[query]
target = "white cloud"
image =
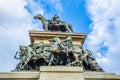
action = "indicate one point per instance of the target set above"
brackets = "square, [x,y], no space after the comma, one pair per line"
[15,21]
[35,7]
[16,18]
[12,10]
[52,7]
[105,33]
[57,5]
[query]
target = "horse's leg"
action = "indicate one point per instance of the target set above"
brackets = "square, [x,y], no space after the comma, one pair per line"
[25,63]
[51,59]
[76,59]
[20,65]
[46,27]
[70,27]
[66,27]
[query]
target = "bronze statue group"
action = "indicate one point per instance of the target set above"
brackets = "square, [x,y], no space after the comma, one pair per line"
[58,53]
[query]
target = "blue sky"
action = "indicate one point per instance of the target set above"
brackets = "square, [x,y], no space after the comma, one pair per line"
[98,18]
[70,10]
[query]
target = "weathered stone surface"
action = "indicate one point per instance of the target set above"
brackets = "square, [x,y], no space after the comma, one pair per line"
[60,69]
[100,76]
[61,73]
[58,73]
[41,36]
[22,75]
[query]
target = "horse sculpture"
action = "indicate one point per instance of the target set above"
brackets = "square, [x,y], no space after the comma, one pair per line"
[59,52]
[28,57]
[65,48]
[47,26]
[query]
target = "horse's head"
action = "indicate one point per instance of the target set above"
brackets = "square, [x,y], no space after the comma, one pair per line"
[55,40]
[39,16]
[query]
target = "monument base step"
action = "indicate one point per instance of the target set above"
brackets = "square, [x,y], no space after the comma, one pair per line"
[58,73]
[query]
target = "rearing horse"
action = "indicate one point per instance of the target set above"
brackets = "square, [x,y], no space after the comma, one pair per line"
[60,47]
[64,27]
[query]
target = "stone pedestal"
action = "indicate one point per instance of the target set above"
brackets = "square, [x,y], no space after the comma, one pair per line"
[19,75]
[42,36]
[58,73]
[61,73]
[100,76]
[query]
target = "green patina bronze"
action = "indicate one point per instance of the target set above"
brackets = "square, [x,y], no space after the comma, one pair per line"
[59,52]
[54,24]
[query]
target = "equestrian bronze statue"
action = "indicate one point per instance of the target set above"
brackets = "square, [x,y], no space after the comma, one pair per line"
[60,51]
[54,24]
